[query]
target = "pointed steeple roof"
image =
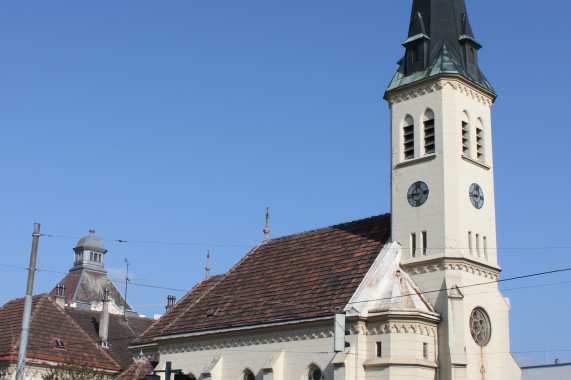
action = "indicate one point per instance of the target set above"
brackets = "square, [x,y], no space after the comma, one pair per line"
[440,41]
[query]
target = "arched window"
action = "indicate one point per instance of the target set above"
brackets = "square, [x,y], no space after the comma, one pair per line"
[315,373]
[480,140]
[465,134]
[190,376]
[408,131]
[248,375]
[429,142]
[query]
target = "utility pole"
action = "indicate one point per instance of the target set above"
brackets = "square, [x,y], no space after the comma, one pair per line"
[28,305]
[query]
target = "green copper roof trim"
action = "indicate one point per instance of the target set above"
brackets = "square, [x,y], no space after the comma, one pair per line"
[444,64]
[464,37]
[415,38]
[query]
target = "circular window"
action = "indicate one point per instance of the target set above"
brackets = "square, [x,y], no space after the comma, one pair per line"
[480,326]
[315,374]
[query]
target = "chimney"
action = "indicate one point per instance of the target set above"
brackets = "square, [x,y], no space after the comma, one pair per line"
[104,321]
[170,302]
[60,298]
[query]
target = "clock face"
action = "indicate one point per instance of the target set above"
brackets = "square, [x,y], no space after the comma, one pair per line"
[417,194]
[476,196]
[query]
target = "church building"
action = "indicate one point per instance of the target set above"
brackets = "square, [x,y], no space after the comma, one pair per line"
[408,295]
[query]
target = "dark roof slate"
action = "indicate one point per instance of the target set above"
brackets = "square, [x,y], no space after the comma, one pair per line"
[122,330]
[49,322]
[444,27]
[302,276]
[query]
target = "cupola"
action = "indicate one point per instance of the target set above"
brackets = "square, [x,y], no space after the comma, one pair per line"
[89,253]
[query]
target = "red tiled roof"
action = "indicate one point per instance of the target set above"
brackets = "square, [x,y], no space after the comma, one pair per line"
[137,371]
[87,286]
[48,323]
[301,276]
[120,334]
[180,308]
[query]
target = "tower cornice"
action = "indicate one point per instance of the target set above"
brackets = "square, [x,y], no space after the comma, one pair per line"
[441,263]
[433,84]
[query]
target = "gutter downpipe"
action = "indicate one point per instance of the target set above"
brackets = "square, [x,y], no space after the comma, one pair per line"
[28,305]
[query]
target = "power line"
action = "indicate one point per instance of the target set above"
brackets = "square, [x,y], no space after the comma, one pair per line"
[124,241]
[356,302]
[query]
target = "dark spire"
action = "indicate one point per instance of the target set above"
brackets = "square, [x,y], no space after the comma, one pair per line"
[440,41]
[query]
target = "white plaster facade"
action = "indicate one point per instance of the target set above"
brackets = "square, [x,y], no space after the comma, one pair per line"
[461,249]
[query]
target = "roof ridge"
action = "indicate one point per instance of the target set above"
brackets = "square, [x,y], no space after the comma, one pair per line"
[326,227]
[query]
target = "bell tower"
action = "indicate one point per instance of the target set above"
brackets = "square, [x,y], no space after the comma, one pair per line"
[442,189]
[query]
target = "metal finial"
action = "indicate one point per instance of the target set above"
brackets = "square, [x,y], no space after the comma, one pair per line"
[91,231]
[207,267]
[267,228]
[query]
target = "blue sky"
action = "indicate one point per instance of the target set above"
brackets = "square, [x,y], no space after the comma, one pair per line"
[181,121]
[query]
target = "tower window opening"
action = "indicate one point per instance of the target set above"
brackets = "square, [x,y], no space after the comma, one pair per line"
[408,138]
[415,54]
[480,143]
[485,241]
[413,244]
[429,145]
[425,350]
[91,256]
[465,138]
[379,349]
[478,244]
[424,243]
[470,243]
[472,56]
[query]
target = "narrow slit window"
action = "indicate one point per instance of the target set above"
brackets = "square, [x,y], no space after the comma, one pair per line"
[379,349]
[429,142]
[424,243]
[472,56]
[413,244]
[480,142]
[485,247]
[408,138]
[425,350]
[470,243]
[415,54]
[91,256]
[478,244]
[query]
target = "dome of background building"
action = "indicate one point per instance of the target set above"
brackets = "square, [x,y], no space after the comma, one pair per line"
[91,241]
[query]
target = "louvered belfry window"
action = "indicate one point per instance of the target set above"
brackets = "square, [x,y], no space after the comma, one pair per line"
[408,131]
[429,139]
[465,134]
[480,141]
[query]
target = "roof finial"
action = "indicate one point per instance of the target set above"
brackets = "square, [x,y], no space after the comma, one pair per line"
[91,230]
[267,228]
[207,265]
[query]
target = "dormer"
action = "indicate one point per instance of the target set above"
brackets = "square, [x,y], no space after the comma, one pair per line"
[469,47]
[416,45]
